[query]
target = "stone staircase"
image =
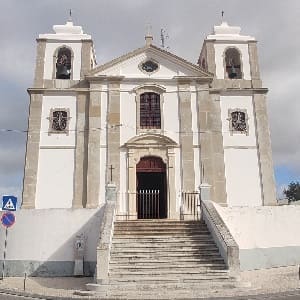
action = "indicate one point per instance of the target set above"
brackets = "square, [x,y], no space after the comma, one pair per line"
[154,259]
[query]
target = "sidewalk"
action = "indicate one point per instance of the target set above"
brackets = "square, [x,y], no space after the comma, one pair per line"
[276,280]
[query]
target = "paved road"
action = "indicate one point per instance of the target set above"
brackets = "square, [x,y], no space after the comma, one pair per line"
[9,297]
[281,296]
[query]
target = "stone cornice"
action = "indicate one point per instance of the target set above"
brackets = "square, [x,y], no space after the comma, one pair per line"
[244,91]
[53,90]
[190,79]
[106,78]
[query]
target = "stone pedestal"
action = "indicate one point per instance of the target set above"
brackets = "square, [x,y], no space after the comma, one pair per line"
[205,191]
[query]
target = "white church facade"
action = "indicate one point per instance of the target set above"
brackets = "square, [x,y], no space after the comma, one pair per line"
[143,137]
[147,121]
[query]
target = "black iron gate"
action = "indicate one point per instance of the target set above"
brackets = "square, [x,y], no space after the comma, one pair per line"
[148,204]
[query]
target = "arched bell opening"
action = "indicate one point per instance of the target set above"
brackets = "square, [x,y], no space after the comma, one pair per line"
[233,63]
[151,183]
[64,63]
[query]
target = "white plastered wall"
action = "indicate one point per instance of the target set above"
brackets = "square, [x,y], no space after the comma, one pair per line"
[219,58]
[50,234]
[55,178]
[267,236]
[243,185]
[51,47]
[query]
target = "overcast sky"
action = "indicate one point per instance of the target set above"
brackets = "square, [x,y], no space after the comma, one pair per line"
[118,26]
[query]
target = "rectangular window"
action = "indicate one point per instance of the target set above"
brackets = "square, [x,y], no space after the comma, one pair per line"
[150,111]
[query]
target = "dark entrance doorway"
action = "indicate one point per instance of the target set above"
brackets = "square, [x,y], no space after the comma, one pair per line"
[151,188]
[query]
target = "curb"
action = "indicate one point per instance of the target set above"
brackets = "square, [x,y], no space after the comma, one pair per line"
[41,296]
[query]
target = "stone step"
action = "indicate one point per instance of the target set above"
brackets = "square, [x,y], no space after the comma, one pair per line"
[162,228]
[170,283]
[166,255]
[171,268]
[153,234]
[151,252]
[162,239]
[170,275]
[164,247]
[166,260]
[158,222]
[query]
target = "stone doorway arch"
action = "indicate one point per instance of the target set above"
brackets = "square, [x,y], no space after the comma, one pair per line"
[155,145]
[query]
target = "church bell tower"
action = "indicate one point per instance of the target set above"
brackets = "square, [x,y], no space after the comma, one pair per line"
[239,101]
[54,153]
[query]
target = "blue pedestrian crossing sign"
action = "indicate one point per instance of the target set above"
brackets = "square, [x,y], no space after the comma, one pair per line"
[9,203]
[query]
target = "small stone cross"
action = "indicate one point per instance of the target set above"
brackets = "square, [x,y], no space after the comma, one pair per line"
[111,169]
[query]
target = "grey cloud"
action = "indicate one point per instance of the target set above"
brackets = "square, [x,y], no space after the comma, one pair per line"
[118,27]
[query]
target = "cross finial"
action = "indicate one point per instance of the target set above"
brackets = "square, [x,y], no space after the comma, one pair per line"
[148,36]
[148,29]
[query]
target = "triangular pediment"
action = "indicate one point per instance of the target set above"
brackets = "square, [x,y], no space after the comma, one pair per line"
[129,65]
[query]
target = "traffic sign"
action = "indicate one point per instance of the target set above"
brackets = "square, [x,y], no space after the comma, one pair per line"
[9,203]
[8,219]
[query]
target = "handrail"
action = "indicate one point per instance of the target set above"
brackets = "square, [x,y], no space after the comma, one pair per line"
[106,235]
[227,245]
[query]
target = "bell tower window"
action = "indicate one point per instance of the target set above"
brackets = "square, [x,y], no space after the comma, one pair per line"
[233,64]
[63,63]
[150,116]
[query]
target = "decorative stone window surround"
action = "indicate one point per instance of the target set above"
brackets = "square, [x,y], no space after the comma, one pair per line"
[150,88]
[231,129]
[145,60]
[55,56]
[224,63]
[50,118]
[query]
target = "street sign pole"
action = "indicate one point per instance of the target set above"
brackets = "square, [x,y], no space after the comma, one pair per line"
[4,254]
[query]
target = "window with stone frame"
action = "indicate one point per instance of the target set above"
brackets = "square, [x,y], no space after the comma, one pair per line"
[233,63]
[59,120]
[150,114]
[238,121]
[64,63]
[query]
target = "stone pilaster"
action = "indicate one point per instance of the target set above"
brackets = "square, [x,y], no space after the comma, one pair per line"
[94,125]
[40,62]
[210,56]
[264,150]
[173,213]
[113,133]
[211,142]
[80,172]
[86,52]
[254,65]
[186,137]
[132,209]
[32,151]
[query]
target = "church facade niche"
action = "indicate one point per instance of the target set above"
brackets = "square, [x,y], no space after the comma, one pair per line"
[233,68]
[63,63]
